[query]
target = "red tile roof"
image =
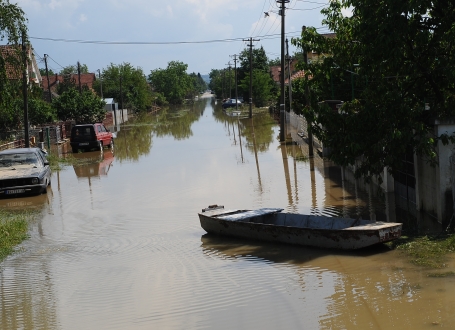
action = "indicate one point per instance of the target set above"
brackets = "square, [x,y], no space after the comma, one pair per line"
[275,73]
[13,58]
[11,55]
[87,79]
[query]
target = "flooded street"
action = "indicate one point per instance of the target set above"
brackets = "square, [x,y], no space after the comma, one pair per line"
[118,244]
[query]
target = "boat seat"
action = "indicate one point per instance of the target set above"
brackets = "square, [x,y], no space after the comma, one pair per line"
[243,216]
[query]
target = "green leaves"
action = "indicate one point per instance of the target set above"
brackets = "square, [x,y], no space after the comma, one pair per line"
[387,60]
[173,82]
[262,86]
[136,93]
[83,108]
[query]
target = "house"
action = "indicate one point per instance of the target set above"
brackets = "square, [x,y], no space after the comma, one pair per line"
[275,72]
[12,56]
[87,79]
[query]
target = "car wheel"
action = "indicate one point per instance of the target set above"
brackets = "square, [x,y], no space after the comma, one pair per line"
[111,145]
[44,190]
[75,150]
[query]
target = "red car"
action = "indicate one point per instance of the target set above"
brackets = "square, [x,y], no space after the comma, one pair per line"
[90,136]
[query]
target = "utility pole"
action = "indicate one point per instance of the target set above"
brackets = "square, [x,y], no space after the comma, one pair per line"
[25,90]
[222,84]
[101,83]
[235,68]
[307,98]
[251,73]
[283,99]
[289,74]
[121,97]
[48,82]
[79,76]
[230,80]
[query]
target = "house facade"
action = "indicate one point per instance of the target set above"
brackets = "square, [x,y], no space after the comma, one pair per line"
[12,56]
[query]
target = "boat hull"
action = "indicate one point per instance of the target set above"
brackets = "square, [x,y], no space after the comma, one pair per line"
[346,239]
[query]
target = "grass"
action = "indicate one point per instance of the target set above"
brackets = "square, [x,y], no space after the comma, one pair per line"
[13,230]
[428,251]
[14,224]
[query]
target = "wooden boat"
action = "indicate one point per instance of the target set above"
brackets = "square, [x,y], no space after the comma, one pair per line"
[270,224]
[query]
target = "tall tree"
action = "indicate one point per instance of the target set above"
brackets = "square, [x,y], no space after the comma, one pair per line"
[136,92]
[173,82]
[13,27]
[262,87]
[396,57]
[83,108]
[216,81]
[72,69]
[260,62]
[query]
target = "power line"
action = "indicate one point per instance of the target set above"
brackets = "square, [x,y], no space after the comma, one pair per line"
[55,62]
[100,42]
[262,10]
[315,2]
[308,8]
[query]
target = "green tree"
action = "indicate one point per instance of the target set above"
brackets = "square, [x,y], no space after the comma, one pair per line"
[43,73]
[13,26]
[274,62]
[260,63]
[173,82]
[40,112]
[83,108]
[136,92]
[199,84]
[72,69]
[216,77]
[262,87]
[395,56]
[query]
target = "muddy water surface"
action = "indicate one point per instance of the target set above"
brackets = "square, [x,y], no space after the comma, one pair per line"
[119,245]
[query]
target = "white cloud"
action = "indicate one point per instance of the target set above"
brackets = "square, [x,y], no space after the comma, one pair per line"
[83,18]
[170,11]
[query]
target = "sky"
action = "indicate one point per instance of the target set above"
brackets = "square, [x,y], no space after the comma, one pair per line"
[161,22]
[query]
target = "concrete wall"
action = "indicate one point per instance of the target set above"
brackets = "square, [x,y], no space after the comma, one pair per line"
[427,195]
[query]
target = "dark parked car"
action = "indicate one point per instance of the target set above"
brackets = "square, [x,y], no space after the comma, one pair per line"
[90,136]
[230,103]
[23,171]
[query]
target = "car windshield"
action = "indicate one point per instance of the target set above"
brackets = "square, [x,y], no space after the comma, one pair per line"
[9,160]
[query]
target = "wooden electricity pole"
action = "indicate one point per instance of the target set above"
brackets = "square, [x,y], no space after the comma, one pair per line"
[25,89]
[283,98]
[251,73]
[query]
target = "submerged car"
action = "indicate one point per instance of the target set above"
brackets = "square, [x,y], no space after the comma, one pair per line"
[230,103]
[23,171]
[90,136]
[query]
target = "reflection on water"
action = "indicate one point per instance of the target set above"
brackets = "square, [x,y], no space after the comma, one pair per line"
[134,140]
[336,291]
[36,203]
[97,166]
[119,244]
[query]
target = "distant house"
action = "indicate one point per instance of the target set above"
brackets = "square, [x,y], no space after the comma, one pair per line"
[275,72]
[12,55]
[87,79]
[312,56]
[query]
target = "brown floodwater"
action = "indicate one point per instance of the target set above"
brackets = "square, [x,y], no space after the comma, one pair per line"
[118,245]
